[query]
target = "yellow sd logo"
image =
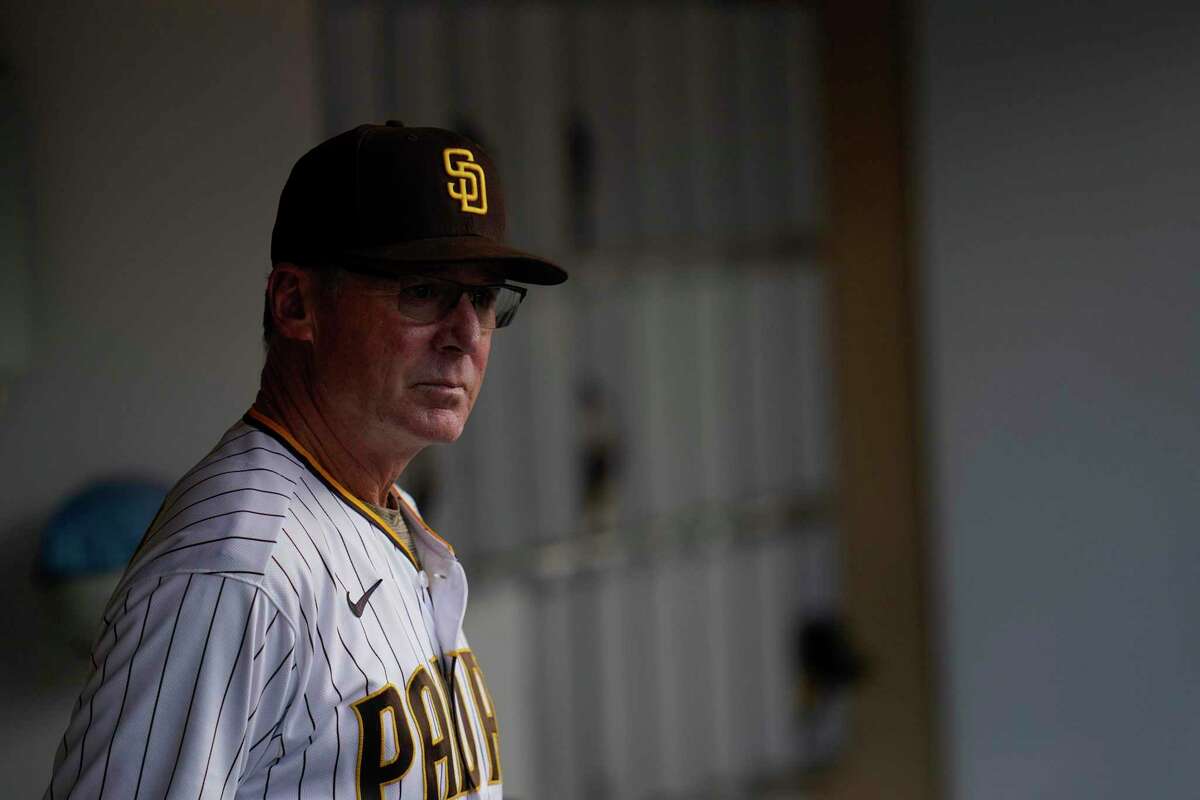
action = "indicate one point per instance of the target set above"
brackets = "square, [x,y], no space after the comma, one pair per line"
[470,189]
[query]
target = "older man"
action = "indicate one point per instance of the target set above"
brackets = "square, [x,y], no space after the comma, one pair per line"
[290,627]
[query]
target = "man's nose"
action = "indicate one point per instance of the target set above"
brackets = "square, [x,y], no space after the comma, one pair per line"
[461,328]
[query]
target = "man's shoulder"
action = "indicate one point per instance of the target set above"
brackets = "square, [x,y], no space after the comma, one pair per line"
[244,453]
[226,514]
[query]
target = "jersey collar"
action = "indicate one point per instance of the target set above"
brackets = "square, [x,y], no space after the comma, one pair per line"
[257,419]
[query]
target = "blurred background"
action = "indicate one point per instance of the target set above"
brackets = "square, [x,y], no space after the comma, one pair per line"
[853,460]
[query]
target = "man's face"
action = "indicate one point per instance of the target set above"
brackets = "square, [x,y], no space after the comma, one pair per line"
[404,383]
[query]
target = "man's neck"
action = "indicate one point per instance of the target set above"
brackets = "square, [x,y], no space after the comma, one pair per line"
[334,443]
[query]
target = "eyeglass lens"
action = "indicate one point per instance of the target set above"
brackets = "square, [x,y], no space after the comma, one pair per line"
[431,299]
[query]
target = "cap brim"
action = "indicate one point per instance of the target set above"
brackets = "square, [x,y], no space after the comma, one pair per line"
[517,265]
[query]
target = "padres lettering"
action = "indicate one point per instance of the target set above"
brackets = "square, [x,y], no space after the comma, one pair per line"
[470,190]
[385,745]
[487,713]
[449,754]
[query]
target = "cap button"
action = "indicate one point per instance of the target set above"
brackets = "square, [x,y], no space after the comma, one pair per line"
[394,123]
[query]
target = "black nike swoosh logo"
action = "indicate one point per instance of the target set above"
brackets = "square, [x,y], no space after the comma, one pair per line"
[361,606]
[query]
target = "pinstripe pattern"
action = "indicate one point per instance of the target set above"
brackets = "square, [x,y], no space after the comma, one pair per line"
[231,660]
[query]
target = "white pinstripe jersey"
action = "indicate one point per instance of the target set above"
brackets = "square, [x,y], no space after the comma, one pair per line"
[232,662]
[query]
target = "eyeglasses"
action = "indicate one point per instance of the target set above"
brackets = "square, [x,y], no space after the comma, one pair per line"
[426,298]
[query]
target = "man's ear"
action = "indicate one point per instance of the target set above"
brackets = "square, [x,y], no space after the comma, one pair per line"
[292,298]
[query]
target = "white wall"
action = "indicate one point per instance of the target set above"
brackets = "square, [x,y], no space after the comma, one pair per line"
[1061,179]
[160,135]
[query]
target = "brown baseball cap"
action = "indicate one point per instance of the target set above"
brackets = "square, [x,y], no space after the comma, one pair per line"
[398,199]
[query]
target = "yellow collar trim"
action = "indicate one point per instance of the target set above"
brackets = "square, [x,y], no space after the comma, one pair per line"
[413,514]
[273,427]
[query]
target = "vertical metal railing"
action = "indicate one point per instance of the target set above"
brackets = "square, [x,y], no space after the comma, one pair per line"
[642,494]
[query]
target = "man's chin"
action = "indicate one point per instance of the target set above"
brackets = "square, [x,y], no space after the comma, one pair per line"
[437,426]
